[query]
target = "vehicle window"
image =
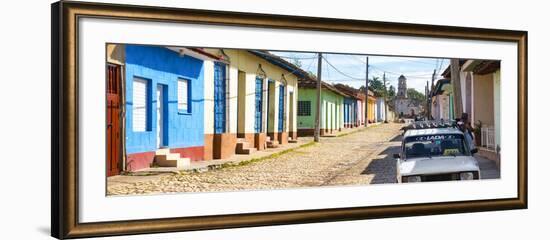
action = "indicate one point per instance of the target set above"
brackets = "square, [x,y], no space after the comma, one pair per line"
[435,145]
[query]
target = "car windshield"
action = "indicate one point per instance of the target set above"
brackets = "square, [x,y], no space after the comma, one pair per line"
[435,145]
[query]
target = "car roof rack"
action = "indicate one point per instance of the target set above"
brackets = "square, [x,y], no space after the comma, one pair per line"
[432,124]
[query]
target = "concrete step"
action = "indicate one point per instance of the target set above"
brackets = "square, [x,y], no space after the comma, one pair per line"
[272,144]
[166,157]
[246,151]
[242,145]
[178,163]
[162,151]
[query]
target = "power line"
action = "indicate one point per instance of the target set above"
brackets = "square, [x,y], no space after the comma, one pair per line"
[297,58]
[338,70]
[402,59]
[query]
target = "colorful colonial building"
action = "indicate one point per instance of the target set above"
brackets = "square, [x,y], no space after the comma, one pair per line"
[332,107]
[251,102]
[381,109]
[442,101]
[168,106]
[480,96]
[372,108]
[355,105]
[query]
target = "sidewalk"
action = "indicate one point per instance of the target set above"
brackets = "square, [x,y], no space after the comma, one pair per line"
[154,173]
[488,168]
[235,159]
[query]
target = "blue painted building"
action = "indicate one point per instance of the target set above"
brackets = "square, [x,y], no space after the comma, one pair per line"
[164,104]
[350,112]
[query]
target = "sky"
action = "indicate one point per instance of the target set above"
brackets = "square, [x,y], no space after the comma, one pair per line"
[350,69]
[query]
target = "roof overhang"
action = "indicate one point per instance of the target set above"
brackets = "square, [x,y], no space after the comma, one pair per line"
[195,53]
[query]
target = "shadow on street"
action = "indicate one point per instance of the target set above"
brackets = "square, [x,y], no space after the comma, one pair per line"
[384,169]
[397,138]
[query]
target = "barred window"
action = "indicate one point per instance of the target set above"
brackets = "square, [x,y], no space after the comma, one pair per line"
[304,108]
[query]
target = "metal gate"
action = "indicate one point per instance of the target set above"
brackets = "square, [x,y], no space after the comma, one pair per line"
[258,105]
[219,97]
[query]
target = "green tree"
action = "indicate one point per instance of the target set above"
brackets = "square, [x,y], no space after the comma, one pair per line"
[391,92]
[377,86]
[416,95]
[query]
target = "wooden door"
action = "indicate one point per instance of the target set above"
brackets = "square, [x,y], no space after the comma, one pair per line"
[113,120]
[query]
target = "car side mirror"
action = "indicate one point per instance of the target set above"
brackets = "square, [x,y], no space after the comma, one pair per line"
[473,151]
[396,155]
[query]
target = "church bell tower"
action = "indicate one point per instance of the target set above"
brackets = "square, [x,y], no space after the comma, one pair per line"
[402,87]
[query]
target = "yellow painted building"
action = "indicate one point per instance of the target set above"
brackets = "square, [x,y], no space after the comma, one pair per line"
[371,101]
[261,102]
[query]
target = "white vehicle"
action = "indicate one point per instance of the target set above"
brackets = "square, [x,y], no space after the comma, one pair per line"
[435,154]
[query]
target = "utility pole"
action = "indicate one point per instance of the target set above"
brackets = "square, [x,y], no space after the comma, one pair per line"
[430,89]
[318,112]
[367,93]
[433,78]
[385,99]
[427,102]
[457,92]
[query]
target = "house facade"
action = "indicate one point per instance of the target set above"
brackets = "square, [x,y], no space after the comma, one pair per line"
[441,100]
[358,103]
[372,108]
[480,96]
[158,94]
[333,108]
[168,106]
[350,112]
[380,109]
[252,101]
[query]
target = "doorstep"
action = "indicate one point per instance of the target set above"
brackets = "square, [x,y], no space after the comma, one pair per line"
[201,166]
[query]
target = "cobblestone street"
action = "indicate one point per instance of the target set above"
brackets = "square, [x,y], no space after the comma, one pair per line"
[333,161]
[362,157]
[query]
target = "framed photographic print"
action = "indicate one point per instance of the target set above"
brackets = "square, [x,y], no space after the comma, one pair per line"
[167,119]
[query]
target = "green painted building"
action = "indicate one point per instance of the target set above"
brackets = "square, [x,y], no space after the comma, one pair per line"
[332,113]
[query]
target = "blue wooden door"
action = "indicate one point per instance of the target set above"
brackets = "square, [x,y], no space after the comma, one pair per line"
[346,112]
[281,107]
[219,97]
[258,105]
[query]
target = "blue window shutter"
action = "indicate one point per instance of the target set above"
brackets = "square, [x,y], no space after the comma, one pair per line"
[258,105]
[219,97]
[281,107]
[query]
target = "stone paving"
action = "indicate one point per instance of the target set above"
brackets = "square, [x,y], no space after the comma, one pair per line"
[362,157]
[309,166]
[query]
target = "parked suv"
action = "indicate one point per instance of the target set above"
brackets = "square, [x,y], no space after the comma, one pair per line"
[435,154]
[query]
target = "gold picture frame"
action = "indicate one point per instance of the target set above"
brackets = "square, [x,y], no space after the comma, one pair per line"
[65,114]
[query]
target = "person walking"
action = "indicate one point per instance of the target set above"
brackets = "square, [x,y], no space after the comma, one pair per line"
[466,127]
